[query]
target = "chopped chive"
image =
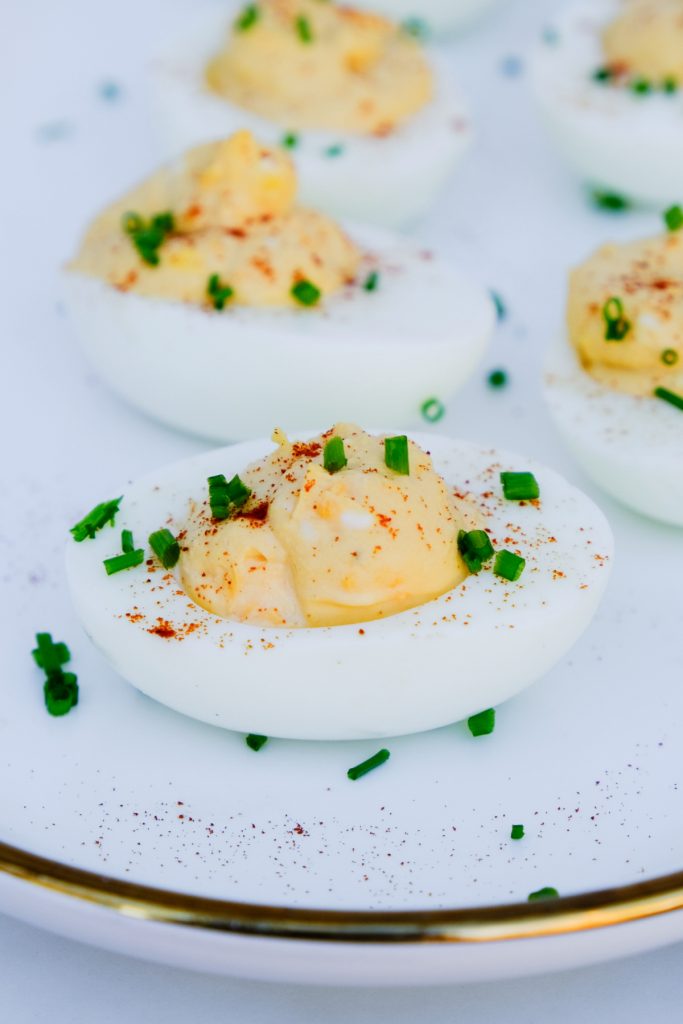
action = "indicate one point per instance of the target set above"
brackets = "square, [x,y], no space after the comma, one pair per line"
[247,18]
[60,691]
[603,75]
[335,150]
[148,238]
[497,379]
[127,543]
[48,655]
[95,520]
[289,141]
[611,201]
[482,724]
[475,548]
[433,410]
[128,560]
[517,832]
[670,85]
[669,357]
[547,893]
[641,86]
[367,766]
[255,742]
[673,218]
[520,486]
[396,455]
[238,492]
[334,456]
[218,293]
[616,324]
[305,293]
[219,499]
[509,566]
[165,547]
[303,29]
[371,282]
[415,27]
[501,308]
[669,396]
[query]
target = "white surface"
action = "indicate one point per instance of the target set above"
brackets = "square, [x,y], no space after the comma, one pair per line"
[516,218]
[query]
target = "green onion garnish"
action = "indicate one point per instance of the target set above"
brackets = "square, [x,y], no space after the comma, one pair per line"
[476,548]
[670,85]
[641,86]
[602,75]
[520,486]
[501,309]
[336,150]
[289,141]
[128,560]
[547,893]
[509,566]
[148,237]
[48,655]
[415,27]
[669,396]
[61,692]
[224,493]
[396,454]
[482,724]
[433,410]
[96,519]
[673,218]
[217,292]
[305,293]
[303,29]
[616,324]
[248,18]
[611,201]
[367,766]
[497,379]
[165,547]
[238,492]
[127,543]
[517,832]
[371,281]
[334,456]
[669,357]
[255,742]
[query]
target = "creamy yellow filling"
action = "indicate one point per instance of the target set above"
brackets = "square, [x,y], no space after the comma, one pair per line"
[646,40]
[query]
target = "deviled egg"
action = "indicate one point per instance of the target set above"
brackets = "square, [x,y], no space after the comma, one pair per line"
[609,82]
[374,119]
[210,300]
[432,16]
[340,587]
[614,381]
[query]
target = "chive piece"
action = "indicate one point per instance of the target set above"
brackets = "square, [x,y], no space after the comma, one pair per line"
[482,724]
[501,308]
[371,282]
[616,324]
[415,27]
[547,893]
[305,293]
[497,379]
[219,498]
[218,293]
[433,410]
[670,85]
[641,86]
[48,655]
[517,832]
[396,454]
[303,29]
[289,141]
[238,492]
[165,547]
[476,548]
[127,543]
[669,396]
[255,742]
[509,566]
[247,18]
[520,486]
[148,238]
[602,75]
[367,766]
[673,218]
[95,520]
[128,560]
[335,150]
[669,357]
[60,691]
[611,201]
[334,456]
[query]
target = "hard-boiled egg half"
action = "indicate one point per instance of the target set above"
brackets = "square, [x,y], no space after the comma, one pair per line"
[435,16]
[374,119]
[614,382]
[340,587]
[210,300]
[609,82]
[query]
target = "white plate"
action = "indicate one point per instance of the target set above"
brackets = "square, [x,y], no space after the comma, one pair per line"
[589,759]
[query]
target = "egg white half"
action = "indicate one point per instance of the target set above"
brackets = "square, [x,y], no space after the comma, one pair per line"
[388,181]
[630,446]
[615,139]
[366,356]
[464,652]
[438,15]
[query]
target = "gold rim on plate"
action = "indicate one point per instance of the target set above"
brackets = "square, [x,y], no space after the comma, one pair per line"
[467,925]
